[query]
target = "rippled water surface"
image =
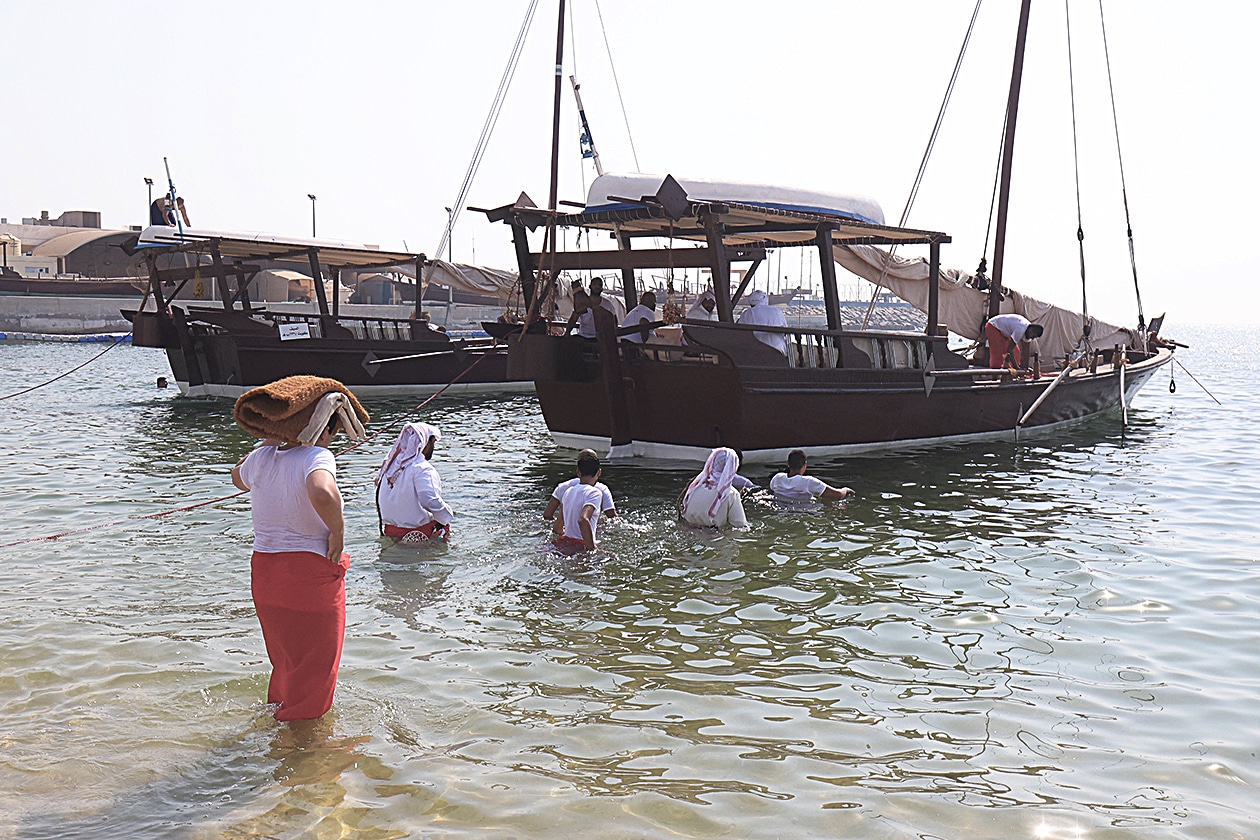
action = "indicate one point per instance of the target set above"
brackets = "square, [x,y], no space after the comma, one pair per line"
[1052,639]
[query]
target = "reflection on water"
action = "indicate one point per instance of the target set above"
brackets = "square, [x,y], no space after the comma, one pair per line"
[1046,639]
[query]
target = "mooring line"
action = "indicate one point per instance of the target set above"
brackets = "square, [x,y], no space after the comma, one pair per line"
[112,345]
[160,514]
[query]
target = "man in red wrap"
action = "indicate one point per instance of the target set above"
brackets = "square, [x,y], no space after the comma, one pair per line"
[298,567]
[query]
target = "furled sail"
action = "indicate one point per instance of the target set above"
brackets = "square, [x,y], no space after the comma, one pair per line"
[964,308]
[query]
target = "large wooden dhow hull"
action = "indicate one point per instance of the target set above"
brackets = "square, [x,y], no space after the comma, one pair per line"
[208,360]
[677,403]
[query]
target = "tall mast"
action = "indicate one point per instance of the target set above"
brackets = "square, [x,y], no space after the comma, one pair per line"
[555,122]
[1008,155]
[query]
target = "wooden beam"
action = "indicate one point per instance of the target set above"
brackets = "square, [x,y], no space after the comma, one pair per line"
[320,294]
[720,267]
[629,288]
[831,294]
[653,258]
[743,284]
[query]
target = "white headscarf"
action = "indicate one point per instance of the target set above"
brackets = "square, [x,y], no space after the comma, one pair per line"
[758,298]
[407,450]
[718,473]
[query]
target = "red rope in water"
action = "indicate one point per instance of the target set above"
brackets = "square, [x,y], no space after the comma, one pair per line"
[160,514]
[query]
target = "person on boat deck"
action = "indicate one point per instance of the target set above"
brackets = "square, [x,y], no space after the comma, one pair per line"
[640,316]
[183,212]
[703,308]
[298,567]
[1010,334]
[760,311]
[711,499]
[581,315]
[158,213]
[580,508]
[553,503]
[795,486]
[409,490]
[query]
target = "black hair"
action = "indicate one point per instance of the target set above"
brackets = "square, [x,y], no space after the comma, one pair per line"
[587,463]
[796,460]
[332,423]
[1028,331]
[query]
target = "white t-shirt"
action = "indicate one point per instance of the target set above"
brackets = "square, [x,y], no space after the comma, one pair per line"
[797,488]
[586,321]
[415,499]
[605,495]
[729,511]
[1010,325]
[632,319]
[741,483]
[284,518]
[575,500]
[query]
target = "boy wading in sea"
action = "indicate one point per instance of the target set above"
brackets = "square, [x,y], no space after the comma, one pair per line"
[580,503]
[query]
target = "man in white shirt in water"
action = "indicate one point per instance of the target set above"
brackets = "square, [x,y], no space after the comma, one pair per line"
[553,504]
[795,486]
[580,508]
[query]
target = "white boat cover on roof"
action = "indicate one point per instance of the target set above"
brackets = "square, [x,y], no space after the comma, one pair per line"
[466,278]
[964,309]
[607,188]
[165,235]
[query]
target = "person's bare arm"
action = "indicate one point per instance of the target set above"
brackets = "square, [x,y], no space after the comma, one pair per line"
[835,494]
[236,476]
[553,505]
[588,531]
[321,488]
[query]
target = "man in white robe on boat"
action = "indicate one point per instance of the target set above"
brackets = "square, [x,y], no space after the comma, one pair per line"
[760,312]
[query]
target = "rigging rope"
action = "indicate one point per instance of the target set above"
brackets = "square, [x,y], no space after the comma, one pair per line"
[160,514]
[1123,189]
[927,154]
[1076,164]
[492,119]
[112,345]
[617,84]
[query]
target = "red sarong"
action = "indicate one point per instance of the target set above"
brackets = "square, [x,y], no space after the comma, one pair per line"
[568,545]
[428,531]
[300,598]
[999,346]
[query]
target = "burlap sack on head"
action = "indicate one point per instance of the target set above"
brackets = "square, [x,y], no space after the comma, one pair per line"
[285,409]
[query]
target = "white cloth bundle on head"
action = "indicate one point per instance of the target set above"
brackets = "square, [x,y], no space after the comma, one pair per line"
[717,475]
[332,403]
[758,298]
[409,447]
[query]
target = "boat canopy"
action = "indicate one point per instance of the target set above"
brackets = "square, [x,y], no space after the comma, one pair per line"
[751,214]
[609,191]
[243,245]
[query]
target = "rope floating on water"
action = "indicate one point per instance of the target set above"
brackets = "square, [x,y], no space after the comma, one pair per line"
[112,345]
[160,514]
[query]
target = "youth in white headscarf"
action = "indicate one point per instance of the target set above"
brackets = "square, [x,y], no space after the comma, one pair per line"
[703,308]
[710,499]
[409,490]
[760,311]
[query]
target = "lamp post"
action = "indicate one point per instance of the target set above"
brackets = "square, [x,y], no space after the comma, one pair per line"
[312,198]
[149,182]
[450,235]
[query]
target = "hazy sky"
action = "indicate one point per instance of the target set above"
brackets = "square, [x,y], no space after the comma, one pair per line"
[376,107]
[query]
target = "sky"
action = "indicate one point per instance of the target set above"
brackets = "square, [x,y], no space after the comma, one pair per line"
[376,109]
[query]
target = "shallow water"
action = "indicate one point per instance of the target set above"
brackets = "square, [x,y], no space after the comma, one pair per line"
[1051,639]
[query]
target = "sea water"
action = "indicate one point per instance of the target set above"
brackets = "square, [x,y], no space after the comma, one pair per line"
[1055,638]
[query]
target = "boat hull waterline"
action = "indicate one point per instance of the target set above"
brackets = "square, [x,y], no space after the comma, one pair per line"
[688,408]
